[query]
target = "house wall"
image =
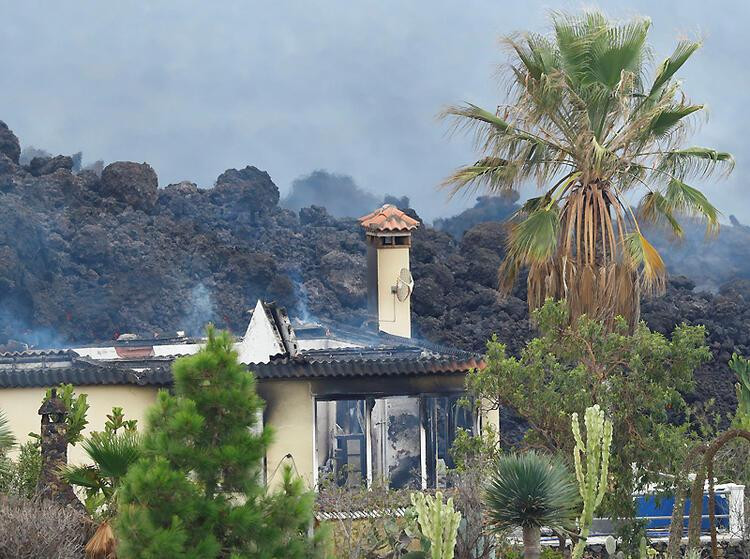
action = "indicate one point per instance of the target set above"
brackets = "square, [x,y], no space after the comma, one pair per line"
[290,414]
[21,405]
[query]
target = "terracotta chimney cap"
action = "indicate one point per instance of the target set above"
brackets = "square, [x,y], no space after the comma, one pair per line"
[388,218]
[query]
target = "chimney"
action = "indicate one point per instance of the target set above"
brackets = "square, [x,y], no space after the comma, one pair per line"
[389,281]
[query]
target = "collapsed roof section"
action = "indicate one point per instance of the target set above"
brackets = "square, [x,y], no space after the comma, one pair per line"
[272,348]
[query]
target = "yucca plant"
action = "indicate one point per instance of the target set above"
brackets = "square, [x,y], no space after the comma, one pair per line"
[595,130]
[532,491]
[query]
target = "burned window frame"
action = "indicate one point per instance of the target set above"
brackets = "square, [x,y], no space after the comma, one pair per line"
[428,475]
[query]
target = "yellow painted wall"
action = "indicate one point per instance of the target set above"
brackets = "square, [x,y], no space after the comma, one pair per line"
[490,417]
[394,316]
[21,405]
[290,413]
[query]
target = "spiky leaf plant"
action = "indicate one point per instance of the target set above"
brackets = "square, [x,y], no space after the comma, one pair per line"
[7,440]
[589,123]
[531,491]
[111,454]
[741,367]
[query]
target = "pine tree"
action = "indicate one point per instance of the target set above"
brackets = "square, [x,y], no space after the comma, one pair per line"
[197,490]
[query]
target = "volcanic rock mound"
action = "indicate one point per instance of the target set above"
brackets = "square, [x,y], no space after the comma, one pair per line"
[88,258]
[135,184]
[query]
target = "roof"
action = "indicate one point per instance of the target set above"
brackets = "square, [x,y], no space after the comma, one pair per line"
[344,352]
[79,371]
[384,361]
[372,361]
[388,218]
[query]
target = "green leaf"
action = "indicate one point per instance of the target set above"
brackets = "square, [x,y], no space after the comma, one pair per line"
[535,238]
[7,440]
[669,67]
[83,476]
[113,453]
[667,119]
[683,198]
[595,51]
[655,209]
[699,161]
[496,173]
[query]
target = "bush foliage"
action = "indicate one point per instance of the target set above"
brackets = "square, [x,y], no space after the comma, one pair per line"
[638,379]
[197,489]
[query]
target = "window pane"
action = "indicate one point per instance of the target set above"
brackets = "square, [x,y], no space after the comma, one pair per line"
[396,456]
[340,442]
[444,416]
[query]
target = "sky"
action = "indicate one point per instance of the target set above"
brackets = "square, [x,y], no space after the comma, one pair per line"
[349,86]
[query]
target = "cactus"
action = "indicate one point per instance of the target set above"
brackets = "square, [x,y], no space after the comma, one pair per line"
[610,544]
[438,523]
[644,550]
[741,368]
[592,483]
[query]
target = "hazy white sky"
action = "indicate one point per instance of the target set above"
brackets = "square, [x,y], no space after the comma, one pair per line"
[350,86]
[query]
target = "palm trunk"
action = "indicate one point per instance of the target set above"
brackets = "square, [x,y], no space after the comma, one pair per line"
[532,537]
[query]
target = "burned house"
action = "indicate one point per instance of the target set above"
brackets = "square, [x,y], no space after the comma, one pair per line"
[347,405]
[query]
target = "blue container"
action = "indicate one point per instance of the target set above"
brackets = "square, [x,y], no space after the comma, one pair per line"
[657,511]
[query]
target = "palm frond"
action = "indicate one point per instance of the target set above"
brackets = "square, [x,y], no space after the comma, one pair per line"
[696,161]
[669,67]
[535,238]
[641,253]
[655,209]
[536,53]
[532,490]
[468,114]
[495,173]
[688,200]
[665,121]
[7,440]
[82,476]
[113,454]
[621,50]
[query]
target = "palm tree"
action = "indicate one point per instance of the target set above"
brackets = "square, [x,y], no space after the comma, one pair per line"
[112,454]
[7,440]
[589,124]
[531,491]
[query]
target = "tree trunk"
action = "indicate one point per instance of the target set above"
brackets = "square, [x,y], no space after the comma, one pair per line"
[562,541]
[532,546]
[696,498]
[676,524]
[712,510]
[696,509]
